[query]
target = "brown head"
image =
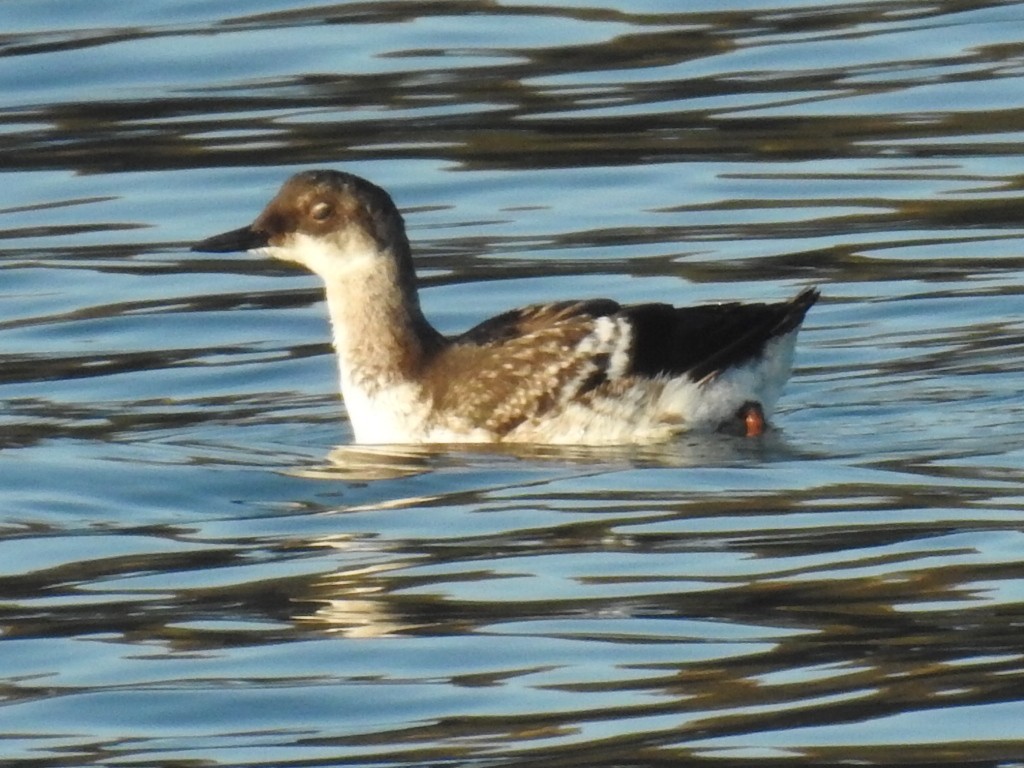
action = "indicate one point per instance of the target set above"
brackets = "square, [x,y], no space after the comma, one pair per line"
[319,219]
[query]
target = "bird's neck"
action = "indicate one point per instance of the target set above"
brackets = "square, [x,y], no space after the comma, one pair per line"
[380,334]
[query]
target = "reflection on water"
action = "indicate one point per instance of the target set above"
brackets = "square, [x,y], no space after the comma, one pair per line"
[565,85]
[196,566]
[372,462]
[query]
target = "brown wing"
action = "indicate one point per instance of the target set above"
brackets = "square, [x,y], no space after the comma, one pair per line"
[537,317]
[520,364]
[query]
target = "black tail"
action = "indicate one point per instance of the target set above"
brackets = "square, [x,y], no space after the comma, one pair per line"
[701,341]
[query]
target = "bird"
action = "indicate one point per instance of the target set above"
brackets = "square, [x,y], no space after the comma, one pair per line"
[577,372]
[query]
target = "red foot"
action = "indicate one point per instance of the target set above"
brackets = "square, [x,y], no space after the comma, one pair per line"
[753,419]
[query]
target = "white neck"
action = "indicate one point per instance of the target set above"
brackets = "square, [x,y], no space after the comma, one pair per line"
[380,335]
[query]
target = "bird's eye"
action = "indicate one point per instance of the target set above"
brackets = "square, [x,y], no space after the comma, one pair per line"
[321,211]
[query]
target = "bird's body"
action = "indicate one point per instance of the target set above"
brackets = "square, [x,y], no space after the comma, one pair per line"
[576,372]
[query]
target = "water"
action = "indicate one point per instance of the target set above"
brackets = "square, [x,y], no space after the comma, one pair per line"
[197,568]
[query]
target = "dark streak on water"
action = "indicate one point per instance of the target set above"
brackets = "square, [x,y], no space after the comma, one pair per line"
[192,571]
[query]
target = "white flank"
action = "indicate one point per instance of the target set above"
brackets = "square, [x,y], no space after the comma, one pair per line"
[654,410]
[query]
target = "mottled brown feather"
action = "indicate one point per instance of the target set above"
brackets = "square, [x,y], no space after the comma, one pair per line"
[533,318]
[515,367]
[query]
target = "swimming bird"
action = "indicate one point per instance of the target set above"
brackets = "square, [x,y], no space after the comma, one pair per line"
[589,371]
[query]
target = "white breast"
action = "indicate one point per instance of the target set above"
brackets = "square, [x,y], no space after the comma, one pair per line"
[394,413]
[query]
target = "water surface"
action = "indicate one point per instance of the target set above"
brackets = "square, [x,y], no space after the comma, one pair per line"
[197,567]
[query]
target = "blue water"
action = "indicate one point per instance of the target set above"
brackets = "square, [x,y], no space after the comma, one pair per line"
[196,566]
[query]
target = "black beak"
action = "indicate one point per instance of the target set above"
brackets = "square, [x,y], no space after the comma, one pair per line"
[244,239]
